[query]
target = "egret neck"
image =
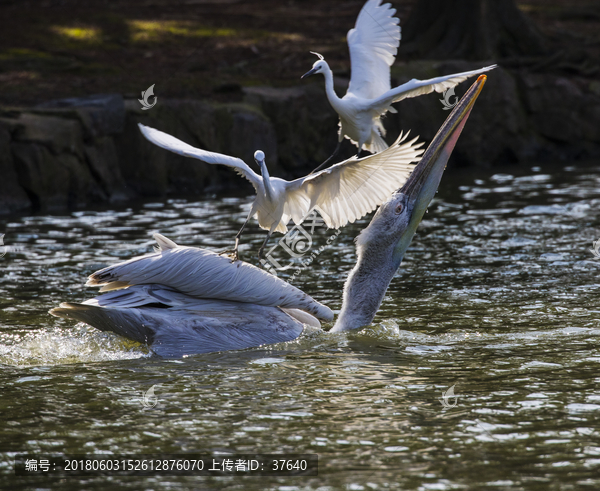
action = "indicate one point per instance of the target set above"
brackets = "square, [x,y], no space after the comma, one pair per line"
[321,66]
[259,157]
[333,98]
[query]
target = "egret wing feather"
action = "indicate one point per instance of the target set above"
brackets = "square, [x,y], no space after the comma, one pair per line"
[169,142]
[349,190]
[416,87]
[373,45]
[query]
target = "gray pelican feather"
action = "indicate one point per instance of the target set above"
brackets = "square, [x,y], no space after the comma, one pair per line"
[183,300]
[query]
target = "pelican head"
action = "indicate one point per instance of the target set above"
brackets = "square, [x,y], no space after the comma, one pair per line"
[381,246]
[319,66]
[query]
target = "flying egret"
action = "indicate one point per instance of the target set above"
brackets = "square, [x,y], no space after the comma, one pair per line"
[343,193]
[185,300]
[373,45]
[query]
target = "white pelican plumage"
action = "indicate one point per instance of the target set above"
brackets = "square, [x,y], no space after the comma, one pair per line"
[373,45]
[343,193]
[184,300]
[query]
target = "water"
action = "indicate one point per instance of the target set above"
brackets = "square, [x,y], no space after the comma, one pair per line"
[498,297]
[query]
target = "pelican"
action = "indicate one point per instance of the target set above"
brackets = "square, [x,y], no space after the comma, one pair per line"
[373,45]
[343,193]
[186,300]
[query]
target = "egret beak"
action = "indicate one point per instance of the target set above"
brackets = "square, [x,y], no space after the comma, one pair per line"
[309,73]
[423,183]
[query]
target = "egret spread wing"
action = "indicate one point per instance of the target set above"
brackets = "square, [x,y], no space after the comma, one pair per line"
[351,189]
[416,87]
[202,274]
[175,145]
[373,44]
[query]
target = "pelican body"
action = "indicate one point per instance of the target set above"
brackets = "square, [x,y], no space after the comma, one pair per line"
[185,300]
[343,193]
[373,45]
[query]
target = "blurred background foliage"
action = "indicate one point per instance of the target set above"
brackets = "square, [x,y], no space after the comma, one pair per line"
[211,48]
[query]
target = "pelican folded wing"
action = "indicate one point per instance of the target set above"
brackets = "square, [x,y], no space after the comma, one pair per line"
[203,274]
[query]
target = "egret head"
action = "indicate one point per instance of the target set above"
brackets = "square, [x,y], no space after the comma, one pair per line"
[259,158]
[381,246]
[319,66]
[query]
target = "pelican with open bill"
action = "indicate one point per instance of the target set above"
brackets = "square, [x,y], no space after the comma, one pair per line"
[382,245]
[186,300]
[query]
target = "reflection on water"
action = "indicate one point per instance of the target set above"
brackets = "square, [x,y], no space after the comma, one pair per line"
[497,296]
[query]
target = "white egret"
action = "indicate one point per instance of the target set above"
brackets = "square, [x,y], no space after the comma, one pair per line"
[373,45]
[185,300]
[343,193]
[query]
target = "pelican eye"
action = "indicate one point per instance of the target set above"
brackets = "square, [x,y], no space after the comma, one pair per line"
[399,209]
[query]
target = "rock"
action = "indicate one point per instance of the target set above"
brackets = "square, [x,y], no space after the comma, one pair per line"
[244,129]
[562,113]
[519,117]
[57,134]
[12,196]
[498,131]
[305,123]
[232,129]
[75,152]
[54,182]
[144,169]
[103,161]
[101,114]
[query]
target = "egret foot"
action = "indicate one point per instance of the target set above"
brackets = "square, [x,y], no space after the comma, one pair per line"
[231,254]
[261,253]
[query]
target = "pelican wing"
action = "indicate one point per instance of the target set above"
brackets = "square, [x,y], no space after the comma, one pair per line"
[168,142]
[416,87]
[174,324]
[373,44]
[202,274]
[351,189]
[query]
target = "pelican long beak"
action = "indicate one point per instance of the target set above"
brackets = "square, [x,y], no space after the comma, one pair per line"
[368,281]
[423,183]
[309,73]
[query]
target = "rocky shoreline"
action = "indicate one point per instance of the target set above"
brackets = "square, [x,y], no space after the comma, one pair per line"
[77,152]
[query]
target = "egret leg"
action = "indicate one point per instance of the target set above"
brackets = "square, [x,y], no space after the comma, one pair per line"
[335,152]
[261,251]
[234,252]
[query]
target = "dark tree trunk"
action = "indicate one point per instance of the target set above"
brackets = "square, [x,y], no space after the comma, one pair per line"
[471,30]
